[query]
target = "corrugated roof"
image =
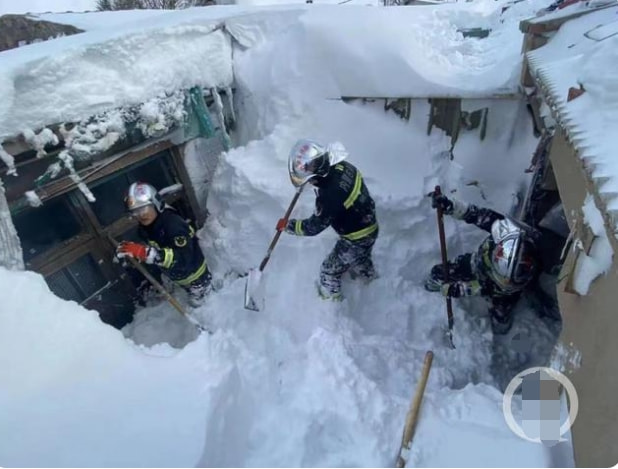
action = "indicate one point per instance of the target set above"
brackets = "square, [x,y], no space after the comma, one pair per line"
[584,52]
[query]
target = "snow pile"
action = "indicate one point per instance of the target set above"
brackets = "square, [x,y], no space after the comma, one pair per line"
[599,258]
[584,53]
[73,78]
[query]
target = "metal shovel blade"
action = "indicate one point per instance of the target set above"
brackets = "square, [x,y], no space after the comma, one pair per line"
[254,290]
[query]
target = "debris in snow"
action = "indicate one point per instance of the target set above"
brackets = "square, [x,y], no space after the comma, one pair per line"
[67,160]
[9,161]
[599,259]
[41,140]
[94,135]
[159,115]
[33,199]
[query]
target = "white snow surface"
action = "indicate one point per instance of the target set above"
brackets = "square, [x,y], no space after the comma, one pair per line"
[304,382]
[585,52]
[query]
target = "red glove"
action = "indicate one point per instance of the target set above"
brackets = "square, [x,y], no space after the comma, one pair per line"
[282,224]
[138,251]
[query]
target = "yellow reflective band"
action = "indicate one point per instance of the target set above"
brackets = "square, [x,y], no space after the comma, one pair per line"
[154,244]
[298,228]
[168,258]
[339,167]
[358,183]
[194,276]
[361,233]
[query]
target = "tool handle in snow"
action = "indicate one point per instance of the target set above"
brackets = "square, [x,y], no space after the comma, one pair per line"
[286,217]
[449,306]
[412,416]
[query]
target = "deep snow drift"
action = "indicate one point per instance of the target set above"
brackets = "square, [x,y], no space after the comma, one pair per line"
[304,382]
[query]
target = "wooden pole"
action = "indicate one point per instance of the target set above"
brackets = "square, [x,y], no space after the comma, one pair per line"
[412,416]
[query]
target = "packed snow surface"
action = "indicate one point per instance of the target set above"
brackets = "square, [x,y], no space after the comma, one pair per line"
[303,382]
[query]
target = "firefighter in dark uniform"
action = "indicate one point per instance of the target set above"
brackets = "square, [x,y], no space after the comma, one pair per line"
[172,244]
[343,202]
[502,267]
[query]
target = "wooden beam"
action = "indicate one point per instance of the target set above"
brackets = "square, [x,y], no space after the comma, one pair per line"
[181,169]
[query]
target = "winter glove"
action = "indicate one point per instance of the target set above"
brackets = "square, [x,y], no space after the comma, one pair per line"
[442,202]
[286,225]
[459,289]
[282,224]
[137,251]
[454,207]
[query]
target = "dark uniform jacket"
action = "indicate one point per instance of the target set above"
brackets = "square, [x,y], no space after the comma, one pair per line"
[342,202]
[180,255]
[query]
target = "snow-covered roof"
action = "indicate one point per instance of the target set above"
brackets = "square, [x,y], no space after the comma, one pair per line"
[128,57]
[585,52]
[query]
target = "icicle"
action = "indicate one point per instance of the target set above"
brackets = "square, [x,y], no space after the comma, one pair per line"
[9,161]
[11,255]
[230,102]
[220,117]
[66,158]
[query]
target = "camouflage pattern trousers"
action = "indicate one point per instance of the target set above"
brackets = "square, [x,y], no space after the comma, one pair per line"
[353,256]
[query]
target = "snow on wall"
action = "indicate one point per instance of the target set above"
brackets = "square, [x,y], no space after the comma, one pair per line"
[598,260]
[585,52]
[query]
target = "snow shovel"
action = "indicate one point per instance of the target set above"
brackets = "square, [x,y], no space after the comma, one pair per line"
[449,306]
[168,296]
[412,416]
[254,289]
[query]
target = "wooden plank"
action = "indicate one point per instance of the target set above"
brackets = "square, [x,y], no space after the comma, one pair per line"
[99,170]
[179,165]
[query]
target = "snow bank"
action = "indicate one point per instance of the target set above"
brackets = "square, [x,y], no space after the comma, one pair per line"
[75,77]
[75,392]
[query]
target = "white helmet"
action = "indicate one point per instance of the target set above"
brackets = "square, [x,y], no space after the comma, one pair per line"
[141,194]
[309,159]
[513,262]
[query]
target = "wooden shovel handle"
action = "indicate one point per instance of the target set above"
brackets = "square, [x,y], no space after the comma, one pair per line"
[449,306]
[273,243]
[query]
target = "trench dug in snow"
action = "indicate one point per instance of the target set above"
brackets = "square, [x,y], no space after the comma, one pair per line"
[334,379]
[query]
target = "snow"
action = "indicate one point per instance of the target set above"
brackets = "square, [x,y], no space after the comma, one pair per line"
[580,54]
[72,78]
[598,260]
[303,382]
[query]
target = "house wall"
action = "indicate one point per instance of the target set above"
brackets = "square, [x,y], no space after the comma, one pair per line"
[590,326]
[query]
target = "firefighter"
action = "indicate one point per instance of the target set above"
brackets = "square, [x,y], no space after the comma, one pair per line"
[503,266]
[170,242]
[343,202]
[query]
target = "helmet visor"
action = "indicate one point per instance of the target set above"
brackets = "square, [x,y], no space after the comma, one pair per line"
[307,160]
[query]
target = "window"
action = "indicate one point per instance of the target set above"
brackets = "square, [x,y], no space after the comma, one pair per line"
[42,228]
[78,280]
[110,192]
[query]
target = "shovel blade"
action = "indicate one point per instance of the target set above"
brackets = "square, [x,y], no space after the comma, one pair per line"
[254,290]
